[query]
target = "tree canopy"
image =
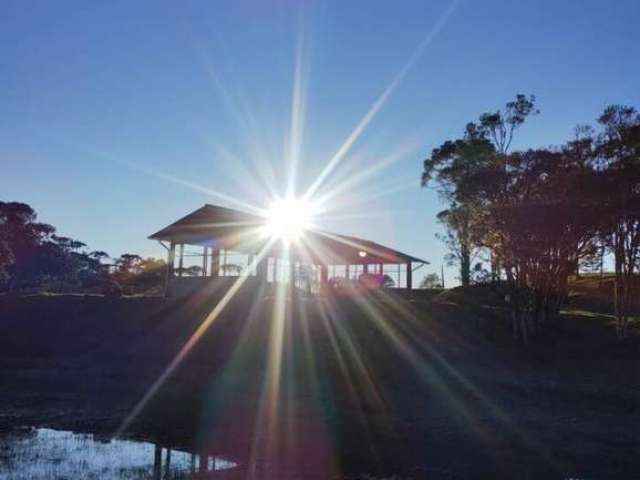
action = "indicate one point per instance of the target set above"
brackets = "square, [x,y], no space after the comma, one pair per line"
[33,257]
[540,214]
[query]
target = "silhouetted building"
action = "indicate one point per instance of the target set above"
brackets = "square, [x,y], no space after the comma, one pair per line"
[214,245]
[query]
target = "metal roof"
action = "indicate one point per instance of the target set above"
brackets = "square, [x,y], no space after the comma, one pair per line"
[227,228]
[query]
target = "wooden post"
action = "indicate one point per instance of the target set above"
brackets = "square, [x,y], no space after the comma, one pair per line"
[365,268]
[250,268]
[276,261]
[324,279]
[324,274]
[381,267]
[205,261]
[157,462]
[214,271]
[409,279]
[262,268]
[224,263]
[167,464]
[292,274]
[171,258]
[181,260]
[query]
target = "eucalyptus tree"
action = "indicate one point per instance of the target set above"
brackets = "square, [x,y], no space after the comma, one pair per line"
[6,260]
[546,227]
[462,237]
[26,244]
[501,125]
[618,157]
[431,281]
[470,173]
[455,168]
[33,256]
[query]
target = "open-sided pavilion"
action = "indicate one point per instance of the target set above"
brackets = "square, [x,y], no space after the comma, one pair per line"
[215,242]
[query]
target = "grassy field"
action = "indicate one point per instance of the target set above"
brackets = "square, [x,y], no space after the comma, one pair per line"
[424,389]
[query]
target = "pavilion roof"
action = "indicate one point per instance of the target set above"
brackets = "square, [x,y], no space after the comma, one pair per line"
[226,228]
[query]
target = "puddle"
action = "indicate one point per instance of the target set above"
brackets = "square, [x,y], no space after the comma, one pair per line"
[41,453]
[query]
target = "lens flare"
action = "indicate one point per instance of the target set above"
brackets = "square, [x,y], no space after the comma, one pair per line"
[288,218]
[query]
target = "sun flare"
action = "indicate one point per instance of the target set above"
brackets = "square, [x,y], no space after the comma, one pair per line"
[288,218]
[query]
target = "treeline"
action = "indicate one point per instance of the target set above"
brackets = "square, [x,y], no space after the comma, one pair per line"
[538,216]
[34,259]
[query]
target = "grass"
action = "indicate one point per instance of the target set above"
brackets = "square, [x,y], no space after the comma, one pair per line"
[383,387]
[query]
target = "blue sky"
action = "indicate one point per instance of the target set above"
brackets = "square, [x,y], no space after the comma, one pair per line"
[103,103]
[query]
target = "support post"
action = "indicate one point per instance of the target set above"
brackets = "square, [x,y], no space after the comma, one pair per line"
[409,279]
[171,258]
[215,263]
[225,272]
[365,268]
[181,260]
[292,274]
[157,462]
[324,279]
[262,268]
[167,464]
[250,269]
[205,263]
[324,274]
[276,260]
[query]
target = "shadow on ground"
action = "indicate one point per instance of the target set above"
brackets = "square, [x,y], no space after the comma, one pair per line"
[332,387]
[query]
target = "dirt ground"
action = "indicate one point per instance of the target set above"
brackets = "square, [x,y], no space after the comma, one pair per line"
[331,388]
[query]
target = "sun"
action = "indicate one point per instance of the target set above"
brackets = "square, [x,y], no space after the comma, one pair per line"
[288,218]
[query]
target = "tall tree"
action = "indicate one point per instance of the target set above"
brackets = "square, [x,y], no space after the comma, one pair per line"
[6,260]
[461,237]
[28,242]
[618,157]
[501,125]
[545,225]
[454,168]
[33,256]
[471,171]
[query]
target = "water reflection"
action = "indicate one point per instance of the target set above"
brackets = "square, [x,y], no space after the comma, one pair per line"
[34,454]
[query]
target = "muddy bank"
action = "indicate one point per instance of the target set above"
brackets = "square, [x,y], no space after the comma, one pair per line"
[334,387]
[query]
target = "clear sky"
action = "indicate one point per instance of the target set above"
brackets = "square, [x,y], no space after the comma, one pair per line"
[119,117]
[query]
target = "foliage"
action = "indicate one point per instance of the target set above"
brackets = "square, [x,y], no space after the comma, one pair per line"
[431,280]
[468,173]
[617,158]
[387,281]
[191,271]
[542,213]
[6,260]
[137,275]
[231,269]
[34,258]
[462,237]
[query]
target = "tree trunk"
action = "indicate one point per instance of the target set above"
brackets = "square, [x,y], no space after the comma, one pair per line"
[495,268]
[620,286]
[465,265]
